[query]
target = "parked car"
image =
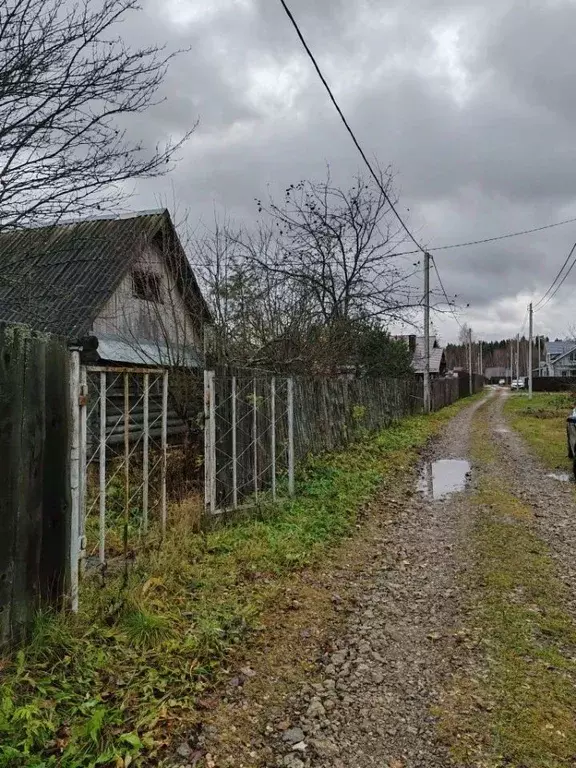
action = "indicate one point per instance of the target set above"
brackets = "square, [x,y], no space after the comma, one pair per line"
[518,383]
[571,439]
[502,383]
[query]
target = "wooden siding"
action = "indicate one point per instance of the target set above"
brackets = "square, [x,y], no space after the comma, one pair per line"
[131,318]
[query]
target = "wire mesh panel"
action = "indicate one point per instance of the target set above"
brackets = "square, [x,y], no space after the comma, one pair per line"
[247,428]
[259,425]
[124,434]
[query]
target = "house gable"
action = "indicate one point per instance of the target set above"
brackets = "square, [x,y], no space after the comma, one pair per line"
[148,305]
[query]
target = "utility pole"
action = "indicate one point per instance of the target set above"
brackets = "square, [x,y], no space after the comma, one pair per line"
[481,366]
[539,357]
[470,359]
[511,361]
[531,329]
[517,357]
[427,398]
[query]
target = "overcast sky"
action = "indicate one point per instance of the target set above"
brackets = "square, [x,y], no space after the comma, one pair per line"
[472,103]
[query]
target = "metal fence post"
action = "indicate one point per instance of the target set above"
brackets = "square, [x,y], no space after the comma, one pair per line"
[126,470]
[290,404]
[209,443]
[74,478]
[255,435]
[145,451]
[273,433]
[83,394]
[102,469]
[163,503]
[234,447]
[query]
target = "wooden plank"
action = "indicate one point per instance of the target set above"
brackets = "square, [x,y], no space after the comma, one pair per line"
[56,487]
[11,372]
[29,489]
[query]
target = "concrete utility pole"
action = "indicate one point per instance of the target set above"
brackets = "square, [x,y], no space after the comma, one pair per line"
[470,359]
[531,329]
[427,399]
[517,356]
[539,356]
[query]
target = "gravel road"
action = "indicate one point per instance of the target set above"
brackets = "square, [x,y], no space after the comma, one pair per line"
[373,706]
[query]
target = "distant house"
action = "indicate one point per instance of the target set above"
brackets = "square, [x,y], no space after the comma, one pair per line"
[560,358]
[416,344]
[496,373]
[124,280]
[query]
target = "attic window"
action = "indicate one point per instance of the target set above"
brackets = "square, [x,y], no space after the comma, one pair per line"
[147,286]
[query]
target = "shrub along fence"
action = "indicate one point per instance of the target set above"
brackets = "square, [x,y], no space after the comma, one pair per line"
[259,426]
[35,487]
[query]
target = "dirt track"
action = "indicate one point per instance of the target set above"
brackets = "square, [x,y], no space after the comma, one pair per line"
[391,662]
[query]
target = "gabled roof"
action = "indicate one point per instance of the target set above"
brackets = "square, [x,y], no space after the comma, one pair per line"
[57,278]
[436,355]
[571,347]
[556,348]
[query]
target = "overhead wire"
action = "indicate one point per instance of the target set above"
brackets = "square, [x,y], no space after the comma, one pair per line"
[542,302]
[420,248]
[491,239]
[450,304]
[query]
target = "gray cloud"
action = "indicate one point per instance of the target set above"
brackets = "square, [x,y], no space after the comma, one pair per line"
[471,102]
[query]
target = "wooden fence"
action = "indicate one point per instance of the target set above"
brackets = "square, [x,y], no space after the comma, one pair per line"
[259,426]
[34,460]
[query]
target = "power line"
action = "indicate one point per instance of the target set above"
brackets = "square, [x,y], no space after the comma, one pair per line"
[444,292]
[491,239]
[374,175]
[551,296]
[539,304]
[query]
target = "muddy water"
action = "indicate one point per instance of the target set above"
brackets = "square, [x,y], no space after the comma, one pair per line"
[439,479]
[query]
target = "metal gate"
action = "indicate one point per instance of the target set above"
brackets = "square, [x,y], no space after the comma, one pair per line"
[119,460]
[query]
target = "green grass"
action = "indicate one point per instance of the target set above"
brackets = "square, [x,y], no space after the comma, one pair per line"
[110,685]
[542,423]
[515,707]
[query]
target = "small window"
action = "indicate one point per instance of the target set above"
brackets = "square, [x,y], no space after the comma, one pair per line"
[147,286]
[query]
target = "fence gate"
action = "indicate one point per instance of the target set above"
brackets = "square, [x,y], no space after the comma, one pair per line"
[249,438]
[122,428]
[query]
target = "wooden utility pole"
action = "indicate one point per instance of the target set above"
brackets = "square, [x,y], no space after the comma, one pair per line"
[427,398]
[530,332]
[470,359]
[481,362]
[511,361]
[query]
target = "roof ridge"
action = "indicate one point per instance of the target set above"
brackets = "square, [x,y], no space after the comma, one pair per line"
[101,217]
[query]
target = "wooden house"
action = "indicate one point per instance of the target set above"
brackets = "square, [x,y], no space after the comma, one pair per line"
[120,287]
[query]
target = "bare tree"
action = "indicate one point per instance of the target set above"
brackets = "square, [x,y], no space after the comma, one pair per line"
[67,84]
[339,245]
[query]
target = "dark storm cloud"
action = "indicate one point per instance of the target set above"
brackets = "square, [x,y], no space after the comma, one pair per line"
[471,102]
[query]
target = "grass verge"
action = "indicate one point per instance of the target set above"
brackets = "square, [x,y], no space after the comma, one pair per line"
[111,685]
[514,704]
[542,423]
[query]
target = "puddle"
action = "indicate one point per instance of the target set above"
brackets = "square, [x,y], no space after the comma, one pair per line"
[439,479]
[564,477]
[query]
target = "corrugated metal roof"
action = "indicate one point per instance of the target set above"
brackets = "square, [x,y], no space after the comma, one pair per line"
[555,348]
[57,278]
[116,350]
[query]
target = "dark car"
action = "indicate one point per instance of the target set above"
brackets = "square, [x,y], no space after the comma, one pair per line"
[571,435]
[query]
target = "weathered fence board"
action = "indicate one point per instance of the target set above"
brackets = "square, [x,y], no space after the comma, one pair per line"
[256,431]
[34,488]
